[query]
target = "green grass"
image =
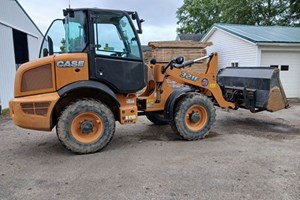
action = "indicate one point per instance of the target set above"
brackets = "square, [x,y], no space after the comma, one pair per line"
[5,112]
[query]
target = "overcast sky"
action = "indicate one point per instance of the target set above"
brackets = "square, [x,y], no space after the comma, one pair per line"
[159,15]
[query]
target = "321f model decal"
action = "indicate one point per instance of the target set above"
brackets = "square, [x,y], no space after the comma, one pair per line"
[188,76]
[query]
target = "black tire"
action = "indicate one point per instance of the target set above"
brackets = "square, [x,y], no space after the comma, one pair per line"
[194,116]
[157,119]
[90,137]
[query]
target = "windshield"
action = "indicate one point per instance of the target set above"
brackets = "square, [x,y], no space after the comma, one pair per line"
[67,35]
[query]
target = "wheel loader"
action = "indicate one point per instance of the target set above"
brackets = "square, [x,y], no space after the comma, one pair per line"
[91,74]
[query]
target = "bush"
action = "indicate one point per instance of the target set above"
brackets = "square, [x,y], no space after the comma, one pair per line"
[5,112]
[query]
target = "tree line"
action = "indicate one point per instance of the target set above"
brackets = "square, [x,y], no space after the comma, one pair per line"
[197,16]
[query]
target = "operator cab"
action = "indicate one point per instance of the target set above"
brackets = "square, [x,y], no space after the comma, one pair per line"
[111,41]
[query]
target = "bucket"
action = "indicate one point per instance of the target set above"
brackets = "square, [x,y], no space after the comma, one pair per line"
[253,88]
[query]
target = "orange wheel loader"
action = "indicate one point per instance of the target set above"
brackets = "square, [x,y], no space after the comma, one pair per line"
[91,74]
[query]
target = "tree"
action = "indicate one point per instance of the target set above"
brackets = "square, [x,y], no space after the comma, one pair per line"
[294,13]
[74,44]
[63,46]
[197,16]
[237,12]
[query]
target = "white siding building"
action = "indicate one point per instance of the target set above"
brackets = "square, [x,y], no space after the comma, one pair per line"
[20,40]
[271,46]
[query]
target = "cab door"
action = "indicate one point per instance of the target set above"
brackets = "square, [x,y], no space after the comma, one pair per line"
[117,55]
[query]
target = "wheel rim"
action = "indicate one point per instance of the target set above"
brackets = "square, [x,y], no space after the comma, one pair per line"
[196,118]
[87,127]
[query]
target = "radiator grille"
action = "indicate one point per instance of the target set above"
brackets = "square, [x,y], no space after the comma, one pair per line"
[40,108]
[37,79]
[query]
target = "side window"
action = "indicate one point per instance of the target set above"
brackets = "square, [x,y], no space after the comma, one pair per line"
[115,36]
[108,40]
[130,38]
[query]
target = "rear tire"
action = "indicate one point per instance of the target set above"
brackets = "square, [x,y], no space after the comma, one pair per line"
[194,116]
[157,119]
[86,126]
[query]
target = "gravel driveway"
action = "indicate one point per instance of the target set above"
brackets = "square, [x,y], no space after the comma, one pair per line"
[246,156]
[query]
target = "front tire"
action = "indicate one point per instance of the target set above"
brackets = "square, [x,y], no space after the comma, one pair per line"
[86,126]
[194,116]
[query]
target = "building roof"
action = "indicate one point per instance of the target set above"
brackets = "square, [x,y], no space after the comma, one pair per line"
[146,48]
[260,34]
[29,17]
[193,37]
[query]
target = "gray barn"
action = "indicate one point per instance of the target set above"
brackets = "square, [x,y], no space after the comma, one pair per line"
[20,40]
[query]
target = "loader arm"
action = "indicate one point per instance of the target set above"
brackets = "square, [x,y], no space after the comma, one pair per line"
[206,82]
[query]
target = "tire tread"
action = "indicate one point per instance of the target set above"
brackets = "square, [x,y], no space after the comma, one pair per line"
[178,124]
[65,120]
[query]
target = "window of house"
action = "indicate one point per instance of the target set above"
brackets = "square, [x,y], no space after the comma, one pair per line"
[234,64]
[284,68]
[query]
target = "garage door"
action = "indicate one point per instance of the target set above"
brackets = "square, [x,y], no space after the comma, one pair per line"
[289,65]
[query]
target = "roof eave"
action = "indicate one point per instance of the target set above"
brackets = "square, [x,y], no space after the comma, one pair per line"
[208,34]
[237,34]
[215,27]
[29,18]
[283,44]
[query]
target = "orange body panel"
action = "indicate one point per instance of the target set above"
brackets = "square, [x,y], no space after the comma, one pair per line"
[32,108]
[67,75]
[31,66]
[128,112]
[158,89]
[34,120]
[156,103]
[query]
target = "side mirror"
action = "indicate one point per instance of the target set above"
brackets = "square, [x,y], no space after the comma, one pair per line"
[50,45]
[135,16]
[179,60]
